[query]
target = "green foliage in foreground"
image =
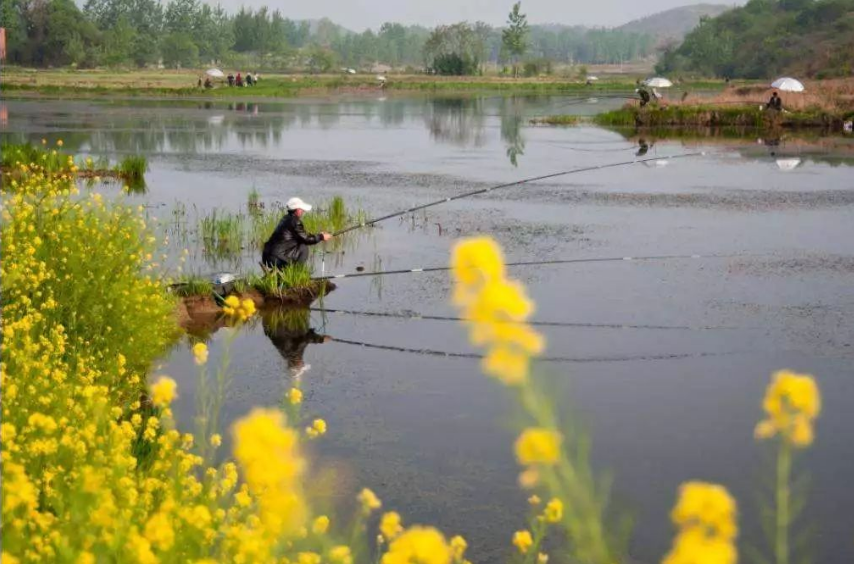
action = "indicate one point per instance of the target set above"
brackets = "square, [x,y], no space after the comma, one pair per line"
[766,38]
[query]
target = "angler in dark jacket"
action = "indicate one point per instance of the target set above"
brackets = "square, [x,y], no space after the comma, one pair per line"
[289,242]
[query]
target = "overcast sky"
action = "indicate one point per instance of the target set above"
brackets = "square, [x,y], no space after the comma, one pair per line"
[361,14]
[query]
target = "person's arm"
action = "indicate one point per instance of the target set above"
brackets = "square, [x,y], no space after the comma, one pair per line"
[306,238]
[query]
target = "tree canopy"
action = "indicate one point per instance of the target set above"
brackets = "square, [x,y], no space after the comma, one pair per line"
[767,38]
[191,32]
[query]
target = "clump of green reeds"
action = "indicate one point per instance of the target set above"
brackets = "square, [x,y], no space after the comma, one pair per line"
[278,281]
[222,233]
[253,201]
[226,234]
[193,285]
[132,168]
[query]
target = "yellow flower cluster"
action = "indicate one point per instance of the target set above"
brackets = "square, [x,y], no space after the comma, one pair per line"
[200,353]
[523,540]
[368,501]
[705,516]
[317,428]
[792,403]
[238,310]
[89,472]
[273,465]
[496,309]
[164,391]
[390,525]
[538,445]
[294,396]
[419,545]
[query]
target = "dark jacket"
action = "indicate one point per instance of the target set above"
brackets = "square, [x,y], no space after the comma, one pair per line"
[288,239]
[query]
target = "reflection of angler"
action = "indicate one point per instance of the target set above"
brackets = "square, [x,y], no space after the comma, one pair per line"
[291,340]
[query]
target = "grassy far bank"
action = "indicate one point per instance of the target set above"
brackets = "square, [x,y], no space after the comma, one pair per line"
[184,83]
[722,116]
[825,104]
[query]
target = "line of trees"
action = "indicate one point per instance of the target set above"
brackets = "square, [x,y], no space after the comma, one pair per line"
[189,33]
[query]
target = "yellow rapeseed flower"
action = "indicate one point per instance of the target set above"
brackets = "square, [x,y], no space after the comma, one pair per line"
[418,545]
[458,547]
[295,396]
[792,403]
[390,525]
[200,353]
[340,554]
[496,310]
[368,500]
[273,466]
[553,511]
[538,445]
[705,516]
[320,525]
[522,540]
[308,558]
[164,391]
[216,440]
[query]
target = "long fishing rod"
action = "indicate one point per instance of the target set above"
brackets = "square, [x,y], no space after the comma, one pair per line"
[508,185]
[535,323]
[526,263]
[575,359]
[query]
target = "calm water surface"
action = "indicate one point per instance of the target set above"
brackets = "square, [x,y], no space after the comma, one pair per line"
[429,433]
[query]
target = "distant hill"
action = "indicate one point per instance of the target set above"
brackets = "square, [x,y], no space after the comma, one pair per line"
[766,38]
[672,25]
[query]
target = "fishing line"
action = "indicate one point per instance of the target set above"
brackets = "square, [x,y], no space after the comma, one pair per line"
[574,359]
[530,263]
[416,315]
[509,185]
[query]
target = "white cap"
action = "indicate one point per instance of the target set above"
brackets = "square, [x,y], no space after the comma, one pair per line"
[298,204]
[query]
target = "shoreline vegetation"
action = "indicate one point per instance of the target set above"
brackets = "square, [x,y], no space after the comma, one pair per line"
[706,116]
[130,170]
[825,105]
[184,84]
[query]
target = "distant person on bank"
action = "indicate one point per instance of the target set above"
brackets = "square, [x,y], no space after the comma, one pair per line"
[289,242]
[775,103]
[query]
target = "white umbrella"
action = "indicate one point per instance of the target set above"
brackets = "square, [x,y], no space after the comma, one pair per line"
[788,84]
[215,73]
[592,78]
[658,82]
[788,164]
[381,78]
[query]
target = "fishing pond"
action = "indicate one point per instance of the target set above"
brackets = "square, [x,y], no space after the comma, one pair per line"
[664,361]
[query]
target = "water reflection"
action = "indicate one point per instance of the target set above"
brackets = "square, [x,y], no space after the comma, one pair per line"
[512,112]
[291,333]
[459,121]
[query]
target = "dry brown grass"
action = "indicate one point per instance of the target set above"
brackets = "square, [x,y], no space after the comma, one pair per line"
[824,95]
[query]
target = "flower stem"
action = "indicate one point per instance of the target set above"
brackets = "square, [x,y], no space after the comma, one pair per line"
[784,470]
